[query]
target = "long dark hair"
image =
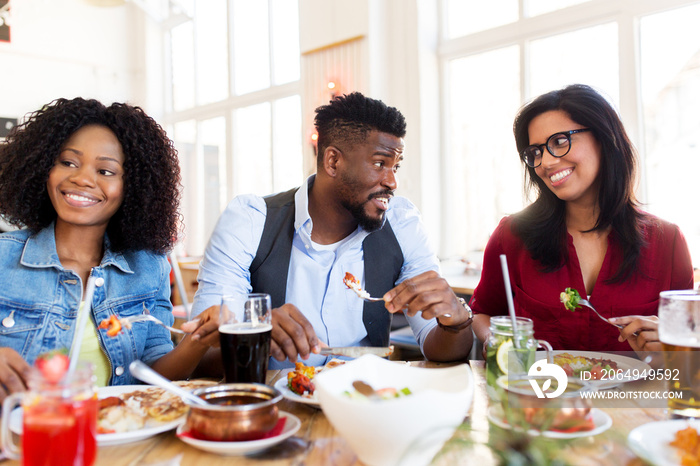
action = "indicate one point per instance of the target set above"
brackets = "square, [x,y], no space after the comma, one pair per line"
[148,217]
[541,226]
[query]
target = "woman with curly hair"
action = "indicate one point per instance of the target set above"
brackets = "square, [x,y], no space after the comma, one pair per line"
[96,190]
[584,231]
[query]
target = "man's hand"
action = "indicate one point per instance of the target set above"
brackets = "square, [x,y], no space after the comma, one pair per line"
[13,373]
[647,328]
[205,327]
[430,293]
[292,334]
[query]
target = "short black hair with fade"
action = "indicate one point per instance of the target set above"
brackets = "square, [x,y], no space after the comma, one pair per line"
[347,120]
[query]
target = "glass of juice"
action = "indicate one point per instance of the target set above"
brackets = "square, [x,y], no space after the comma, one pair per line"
[245,332]
[59,424]
[510,353]
[679,333]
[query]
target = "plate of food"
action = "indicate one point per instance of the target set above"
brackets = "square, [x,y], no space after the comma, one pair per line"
[128,413]
[597,422]
[602,370]
[666,443]
[297,384]
[289,426]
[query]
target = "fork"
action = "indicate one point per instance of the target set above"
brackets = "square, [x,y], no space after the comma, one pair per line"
[585,302]
[147,317]
[365,295]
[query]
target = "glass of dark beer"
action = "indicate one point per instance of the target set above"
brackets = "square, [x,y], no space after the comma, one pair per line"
[245,329]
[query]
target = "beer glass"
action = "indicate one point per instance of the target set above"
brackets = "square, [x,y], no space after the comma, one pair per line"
[59,420]
[245,330]
[679,332]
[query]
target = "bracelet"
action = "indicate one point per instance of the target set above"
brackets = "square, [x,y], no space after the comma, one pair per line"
[463,325]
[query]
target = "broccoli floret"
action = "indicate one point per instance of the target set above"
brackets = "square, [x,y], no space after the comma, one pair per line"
[570,298]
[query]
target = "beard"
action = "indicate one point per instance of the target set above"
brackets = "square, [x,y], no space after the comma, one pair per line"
[357,208]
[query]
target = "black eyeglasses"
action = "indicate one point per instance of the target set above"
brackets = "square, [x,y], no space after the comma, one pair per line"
[558,144]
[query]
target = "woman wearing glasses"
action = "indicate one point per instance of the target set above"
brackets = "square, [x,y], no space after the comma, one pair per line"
[584,231]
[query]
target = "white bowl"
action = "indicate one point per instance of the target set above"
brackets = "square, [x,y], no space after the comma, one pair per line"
[406,430]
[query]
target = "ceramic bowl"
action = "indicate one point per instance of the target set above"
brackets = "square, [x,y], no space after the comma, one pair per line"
[406,430]
[237,412]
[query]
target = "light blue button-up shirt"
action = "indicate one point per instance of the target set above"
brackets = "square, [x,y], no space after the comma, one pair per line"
[315,280]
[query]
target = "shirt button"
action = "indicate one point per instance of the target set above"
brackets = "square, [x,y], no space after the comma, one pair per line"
[306,246]
[99,281]
[119,370]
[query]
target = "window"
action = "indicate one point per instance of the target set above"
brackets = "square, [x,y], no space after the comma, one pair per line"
[670,96]
[234,104]
[643,56]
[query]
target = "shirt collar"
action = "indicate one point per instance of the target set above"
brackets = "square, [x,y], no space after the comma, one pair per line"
[40,251]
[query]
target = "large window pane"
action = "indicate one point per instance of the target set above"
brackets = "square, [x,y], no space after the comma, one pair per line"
[251,46]
[587,56]
[252,172]
[285,41]
[213,137]
[670,79]
[182,66]
[539,7]
[286,143]
[212,51]
[466,17]
[184,137]
[485,169]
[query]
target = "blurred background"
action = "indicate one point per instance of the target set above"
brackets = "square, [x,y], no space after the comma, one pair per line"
[235,84]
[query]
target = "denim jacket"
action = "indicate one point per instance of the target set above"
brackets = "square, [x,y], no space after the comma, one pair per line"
[43,299]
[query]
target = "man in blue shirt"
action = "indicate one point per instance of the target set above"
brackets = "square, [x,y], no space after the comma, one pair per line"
[299,245]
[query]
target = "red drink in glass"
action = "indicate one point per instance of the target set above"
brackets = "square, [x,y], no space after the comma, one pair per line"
[60,432]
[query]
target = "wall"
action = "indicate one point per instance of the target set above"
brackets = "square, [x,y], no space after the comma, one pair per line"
[68,48]
[399,66]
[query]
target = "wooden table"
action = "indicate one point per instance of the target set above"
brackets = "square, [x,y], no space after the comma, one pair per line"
[317,442]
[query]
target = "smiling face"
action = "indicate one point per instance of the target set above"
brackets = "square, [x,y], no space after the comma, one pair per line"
[367,177]
[574,177]
[86,184]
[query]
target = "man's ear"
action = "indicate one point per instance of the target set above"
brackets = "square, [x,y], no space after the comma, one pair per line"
[331,158]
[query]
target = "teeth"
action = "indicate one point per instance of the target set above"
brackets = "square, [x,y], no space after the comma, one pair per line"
[80,198]
[560,176]
[384,200]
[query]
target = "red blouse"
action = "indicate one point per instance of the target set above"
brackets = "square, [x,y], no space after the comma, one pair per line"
[664,264]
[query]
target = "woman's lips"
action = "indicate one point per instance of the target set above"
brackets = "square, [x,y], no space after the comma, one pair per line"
[560,176]
[80,200]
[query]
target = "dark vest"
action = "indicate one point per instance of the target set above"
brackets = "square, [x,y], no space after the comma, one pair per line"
[383,260]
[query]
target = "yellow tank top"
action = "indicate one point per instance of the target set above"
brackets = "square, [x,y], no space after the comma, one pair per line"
[91,351]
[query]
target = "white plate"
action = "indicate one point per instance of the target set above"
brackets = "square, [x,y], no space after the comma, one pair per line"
[601,420]
[651,441]
[623,362]
[152,427]
[291,426]
[281,385]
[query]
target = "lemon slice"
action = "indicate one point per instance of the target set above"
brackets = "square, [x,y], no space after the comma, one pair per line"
[502,355]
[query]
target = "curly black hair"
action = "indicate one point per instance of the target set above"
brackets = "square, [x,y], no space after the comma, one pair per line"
[148,218]
[347,120]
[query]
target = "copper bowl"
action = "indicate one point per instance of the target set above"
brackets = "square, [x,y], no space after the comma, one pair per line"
[237,412]
[563,412]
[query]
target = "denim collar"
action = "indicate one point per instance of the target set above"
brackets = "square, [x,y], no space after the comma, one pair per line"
[40,252]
